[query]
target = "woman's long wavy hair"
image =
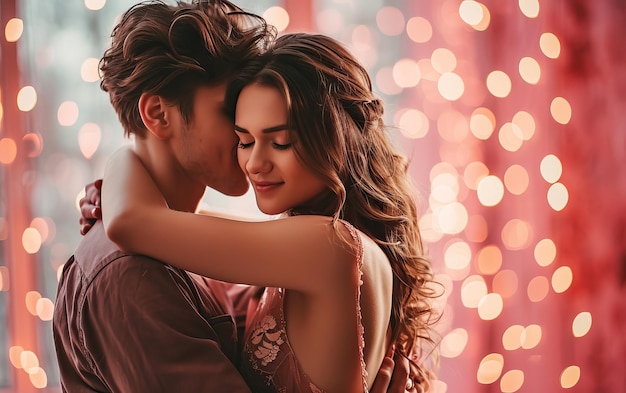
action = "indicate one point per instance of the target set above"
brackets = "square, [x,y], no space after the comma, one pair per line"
[338,132]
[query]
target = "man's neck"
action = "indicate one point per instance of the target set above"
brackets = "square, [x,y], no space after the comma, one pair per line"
[180,191]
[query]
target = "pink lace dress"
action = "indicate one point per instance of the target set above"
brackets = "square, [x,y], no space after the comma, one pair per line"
[269,363]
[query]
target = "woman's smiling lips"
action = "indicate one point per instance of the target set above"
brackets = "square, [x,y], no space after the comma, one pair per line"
[265,186]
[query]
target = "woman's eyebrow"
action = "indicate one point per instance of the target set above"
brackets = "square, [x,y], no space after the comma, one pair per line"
[268,130]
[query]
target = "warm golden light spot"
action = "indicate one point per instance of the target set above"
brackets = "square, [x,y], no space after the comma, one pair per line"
[443,60]
[443,167]
[414,124]
[390,21]
[44,308]
[510,137]
[538,289]
[561,110]
[474,172]
[471,12]
[530,8]
[516,179]
[516,234]
[13,29]
[457,255]
[452,126]
[31,299]
[95,5]
[386,83]
[526,123]
[489,260]
[419,29]
[59,272]
[406,73]
[551,168]
[31,240]
[476,229]
[473,290]
[32,144]
[28,360]
[450,86]
[499,84]
[482,123]
[490,307]
[490,190]
[512,337]
[15,353]
[505,282]
[512,381]
[26,98]
[444,188]
[531,336]
[545,252]
[89,71]
[529,70]
[454,343]
[278,17]
[582,324]
[570,377]
[67,114]
[41,225]
[89,137]
[562,279]
[485,20]
[550,45]
[558,197]
[1,109]
[8,151]
[38,377]
[490,368]
[428,72]
[4,278]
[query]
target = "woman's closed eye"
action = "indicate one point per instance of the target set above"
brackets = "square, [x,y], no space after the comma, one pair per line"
[242,145]
[277,146]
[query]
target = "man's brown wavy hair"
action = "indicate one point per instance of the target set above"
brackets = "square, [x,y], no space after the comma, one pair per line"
[171,50]
[338,132]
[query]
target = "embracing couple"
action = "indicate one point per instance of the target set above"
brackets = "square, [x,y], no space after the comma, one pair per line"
[338,287]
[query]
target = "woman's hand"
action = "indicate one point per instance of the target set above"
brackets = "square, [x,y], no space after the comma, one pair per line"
[90,209]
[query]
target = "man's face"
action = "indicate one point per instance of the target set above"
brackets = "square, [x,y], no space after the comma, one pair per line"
[206,147]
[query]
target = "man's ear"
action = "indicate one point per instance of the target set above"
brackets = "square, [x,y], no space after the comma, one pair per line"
[156,115]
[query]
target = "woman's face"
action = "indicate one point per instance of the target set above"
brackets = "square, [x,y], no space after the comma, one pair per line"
[266,154]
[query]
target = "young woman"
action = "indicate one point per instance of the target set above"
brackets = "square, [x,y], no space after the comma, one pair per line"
[344,264]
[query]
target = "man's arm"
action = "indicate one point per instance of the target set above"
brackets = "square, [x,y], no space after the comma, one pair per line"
[145,334]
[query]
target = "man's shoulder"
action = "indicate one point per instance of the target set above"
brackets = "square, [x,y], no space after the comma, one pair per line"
[97,256]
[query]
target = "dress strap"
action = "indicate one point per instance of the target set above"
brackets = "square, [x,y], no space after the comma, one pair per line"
[359,263]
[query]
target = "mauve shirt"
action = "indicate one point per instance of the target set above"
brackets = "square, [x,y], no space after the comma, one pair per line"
[127,323]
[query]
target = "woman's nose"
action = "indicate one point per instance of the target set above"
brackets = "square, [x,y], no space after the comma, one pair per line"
[258,161]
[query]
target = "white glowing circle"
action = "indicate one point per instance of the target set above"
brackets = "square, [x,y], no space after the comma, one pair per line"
[406,73]
[26,98]
[450,86]
[558,196]
[278,17]
[490,190]
[471,12]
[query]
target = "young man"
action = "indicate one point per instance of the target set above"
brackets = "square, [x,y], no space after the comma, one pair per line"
[123,323]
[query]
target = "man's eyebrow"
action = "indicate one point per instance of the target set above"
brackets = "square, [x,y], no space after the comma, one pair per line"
[268,130]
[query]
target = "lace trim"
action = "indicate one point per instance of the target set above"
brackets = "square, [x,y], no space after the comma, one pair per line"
[361,330]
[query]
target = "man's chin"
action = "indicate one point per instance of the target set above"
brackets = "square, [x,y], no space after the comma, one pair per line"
[234,189]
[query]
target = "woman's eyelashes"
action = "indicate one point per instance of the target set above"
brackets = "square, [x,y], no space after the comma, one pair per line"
[277,146]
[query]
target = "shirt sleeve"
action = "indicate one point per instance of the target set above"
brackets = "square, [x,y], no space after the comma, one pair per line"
[144,332]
